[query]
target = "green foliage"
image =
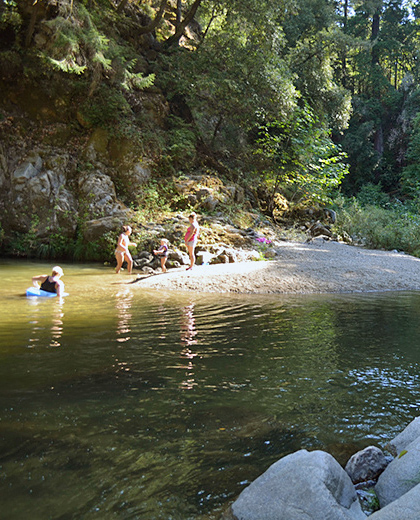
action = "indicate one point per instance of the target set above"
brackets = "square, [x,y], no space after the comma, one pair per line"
[263,87]
[106,108]
[98,250]
[180,149]
[372,195]
[152,203]
[136,80]
[25,244]
[79,45]
[411,173]
[56,246]
[305,161]
[10,16]
[235,73]
[395,227]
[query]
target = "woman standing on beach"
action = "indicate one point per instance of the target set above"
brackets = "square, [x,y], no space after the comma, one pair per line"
[191,238]
[122,253]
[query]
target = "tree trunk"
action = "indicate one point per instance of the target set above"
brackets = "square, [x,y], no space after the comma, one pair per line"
[379,141]
[375,32]
[216,130]
[174,39]
[344,55]
[152,26]
[178,13]
[32,22]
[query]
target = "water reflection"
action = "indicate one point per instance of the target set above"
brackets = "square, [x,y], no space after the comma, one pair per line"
[57,323]
[188,338]
[41,322]
[123,304]
[187,397]
[188,330]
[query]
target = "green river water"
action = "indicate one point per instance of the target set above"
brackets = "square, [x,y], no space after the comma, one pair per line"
[122,402]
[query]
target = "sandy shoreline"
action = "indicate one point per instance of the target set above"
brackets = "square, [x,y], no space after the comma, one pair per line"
[318,267]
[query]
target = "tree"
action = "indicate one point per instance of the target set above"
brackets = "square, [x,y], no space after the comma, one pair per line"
[233,76]
[303,160]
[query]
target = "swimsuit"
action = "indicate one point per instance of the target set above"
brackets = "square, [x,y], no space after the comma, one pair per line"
[162,251]
[125,241]
[191,236]
[48,286]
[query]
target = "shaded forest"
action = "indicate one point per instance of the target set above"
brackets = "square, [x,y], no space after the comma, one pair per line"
[313,101]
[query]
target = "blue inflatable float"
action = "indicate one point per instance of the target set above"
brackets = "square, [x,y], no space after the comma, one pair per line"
[34,291]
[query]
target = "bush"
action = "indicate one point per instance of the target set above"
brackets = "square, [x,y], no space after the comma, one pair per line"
[372,195]
[394,227]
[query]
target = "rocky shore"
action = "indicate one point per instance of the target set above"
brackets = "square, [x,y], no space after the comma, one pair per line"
[313,486]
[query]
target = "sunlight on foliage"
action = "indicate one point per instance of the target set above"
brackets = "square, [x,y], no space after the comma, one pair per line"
[305,160]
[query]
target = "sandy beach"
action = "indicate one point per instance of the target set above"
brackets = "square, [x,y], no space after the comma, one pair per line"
[300,268]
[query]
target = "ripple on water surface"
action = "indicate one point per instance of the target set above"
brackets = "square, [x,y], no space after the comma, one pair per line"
[151,404]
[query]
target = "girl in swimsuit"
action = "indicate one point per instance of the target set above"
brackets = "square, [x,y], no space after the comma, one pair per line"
[191,238]
[122,253]
[162,253]
[51,283]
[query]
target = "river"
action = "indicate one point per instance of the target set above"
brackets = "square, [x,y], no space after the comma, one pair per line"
[123,402]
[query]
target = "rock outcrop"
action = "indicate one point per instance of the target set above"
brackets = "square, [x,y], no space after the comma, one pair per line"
[301,486]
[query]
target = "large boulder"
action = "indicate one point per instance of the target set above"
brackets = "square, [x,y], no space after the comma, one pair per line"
[366,465]
[406,437]
[302,486]
[405,508]
[98,191]
[178,256]
[96,228]
[402,474]
[41,196]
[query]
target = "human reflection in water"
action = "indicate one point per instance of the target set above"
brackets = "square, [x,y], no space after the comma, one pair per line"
[188,333]
[123,305]
[57,323]
[39,328]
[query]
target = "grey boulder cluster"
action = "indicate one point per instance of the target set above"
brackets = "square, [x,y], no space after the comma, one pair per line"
[313,486]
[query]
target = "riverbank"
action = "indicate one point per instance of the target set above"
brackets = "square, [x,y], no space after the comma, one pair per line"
[300,268]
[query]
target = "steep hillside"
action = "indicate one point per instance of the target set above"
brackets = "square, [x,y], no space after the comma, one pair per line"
[94,133]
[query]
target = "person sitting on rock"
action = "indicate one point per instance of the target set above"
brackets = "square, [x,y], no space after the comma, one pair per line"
[162,253]
[52,283]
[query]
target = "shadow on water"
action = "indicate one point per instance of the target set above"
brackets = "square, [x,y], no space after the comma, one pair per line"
[121,401]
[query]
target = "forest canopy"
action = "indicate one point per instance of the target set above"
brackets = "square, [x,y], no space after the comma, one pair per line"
[305,96]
